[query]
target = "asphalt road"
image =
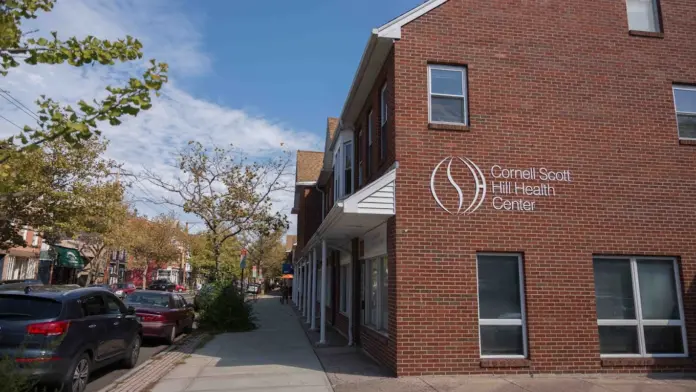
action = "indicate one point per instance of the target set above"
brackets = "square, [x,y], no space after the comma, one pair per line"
[103,377]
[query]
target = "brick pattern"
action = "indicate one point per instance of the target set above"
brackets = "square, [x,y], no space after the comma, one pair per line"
[145,377]
[556,85]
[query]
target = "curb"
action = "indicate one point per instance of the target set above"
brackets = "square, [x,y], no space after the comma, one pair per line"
[136,369]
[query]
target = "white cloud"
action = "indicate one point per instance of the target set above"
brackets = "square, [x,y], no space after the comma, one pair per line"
[149,139]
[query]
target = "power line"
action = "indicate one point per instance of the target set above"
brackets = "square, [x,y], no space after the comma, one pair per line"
[18,104]
[5,118]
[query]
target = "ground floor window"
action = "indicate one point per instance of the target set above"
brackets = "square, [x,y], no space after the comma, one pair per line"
[343,282]
[376,293]
[502,328]
[639,307]
[170,275]
[329,286]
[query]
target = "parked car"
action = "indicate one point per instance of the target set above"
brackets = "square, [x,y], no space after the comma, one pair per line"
[179,288]
[162,285]
[60,334]
[163,315]
[19,284]
[123,290]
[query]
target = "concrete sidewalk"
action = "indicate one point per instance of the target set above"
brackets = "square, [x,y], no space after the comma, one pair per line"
[275,357]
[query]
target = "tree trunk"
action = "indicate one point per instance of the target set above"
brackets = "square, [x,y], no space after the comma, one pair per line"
[145,276]
[216,254]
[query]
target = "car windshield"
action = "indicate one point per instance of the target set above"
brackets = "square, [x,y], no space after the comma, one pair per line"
[28,308]
[148,299]
[121,285]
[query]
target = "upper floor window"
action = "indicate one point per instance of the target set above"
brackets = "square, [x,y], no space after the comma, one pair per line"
[383,122]
[368,156]
[643,15]
[448,95]
[360,159]
[35,239]
[336,174]
[348,168]
[685,104]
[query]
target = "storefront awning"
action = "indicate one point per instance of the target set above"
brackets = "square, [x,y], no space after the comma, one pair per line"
[359,213]
[70,258]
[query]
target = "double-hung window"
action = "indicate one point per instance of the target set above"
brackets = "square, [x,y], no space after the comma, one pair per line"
[343,283]
[348,168]
[643,15]
[639,307]
[685,105]
[447,95]
[502,326]
[376,292]
[383,122]
[368,155]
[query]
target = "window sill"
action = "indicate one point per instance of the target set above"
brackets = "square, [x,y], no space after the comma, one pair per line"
[375,330]
[649,361]
[505,363]
[449,127]
[648,34]
[688,142]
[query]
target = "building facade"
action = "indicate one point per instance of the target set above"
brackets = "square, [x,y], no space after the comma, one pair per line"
[22,262]
[509,189]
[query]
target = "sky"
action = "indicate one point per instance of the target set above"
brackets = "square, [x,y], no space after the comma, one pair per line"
[261,75]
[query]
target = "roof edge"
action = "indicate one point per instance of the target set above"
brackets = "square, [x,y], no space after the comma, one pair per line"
[392,29]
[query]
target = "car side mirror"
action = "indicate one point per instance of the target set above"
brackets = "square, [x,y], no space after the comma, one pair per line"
[130,311]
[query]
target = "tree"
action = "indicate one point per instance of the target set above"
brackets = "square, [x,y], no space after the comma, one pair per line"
[203,261]
[154,241]
[59,190]
[231,196]
[267,252]
[73,125]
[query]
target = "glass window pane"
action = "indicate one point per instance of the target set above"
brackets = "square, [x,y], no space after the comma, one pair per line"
[374,281]
[499,287]
[447,110]
[501,340]
[663,340]
[685,100]
[614,289]
[687,126]
[385,296]
[618,340]
[444,81]
[642,15]
[658,292]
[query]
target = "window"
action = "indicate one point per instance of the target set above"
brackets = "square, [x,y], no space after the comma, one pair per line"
[376,309]
[329,286]
[343,284]
[359,150]
[337,177]
[24,233]
[368,156]
[685,104]
[643,15]
[93,306]
[383,123]
[348,168]
[447,94]
[112,306]
[639,307]
[35,239]
[502,328]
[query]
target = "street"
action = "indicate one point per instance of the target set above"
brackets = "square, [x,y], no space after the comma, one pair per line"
[104,377]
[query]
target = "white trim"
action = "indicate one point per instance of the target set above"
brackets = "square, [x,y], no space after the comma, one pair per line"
[677,112]
[392,29]
[344,156]
[504,322]
[464,96]
[638,322]
[305,183]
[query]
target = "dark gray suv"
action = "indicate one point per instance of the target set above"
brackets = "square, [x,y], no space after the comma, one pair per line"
[58,335]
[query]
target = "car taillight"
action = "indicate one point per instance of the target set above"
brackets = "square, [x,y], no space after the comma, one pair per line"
[151,317]
[36,360]
[55,328]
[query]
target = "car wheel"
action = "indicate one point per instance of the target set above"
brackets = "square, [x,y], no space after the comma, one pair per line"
[132,353]
[172,336]
[78,376]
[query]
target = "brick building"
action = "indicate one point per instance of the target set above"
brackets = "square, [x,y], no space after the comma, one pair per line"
[509,189]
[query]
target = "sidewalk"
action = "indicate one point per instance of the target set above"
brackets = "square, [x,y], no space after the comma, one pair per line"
[275,357]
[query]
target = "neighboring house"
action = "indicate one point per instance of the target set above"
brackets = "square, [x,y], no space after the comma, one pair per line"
[22,262]
[509,189]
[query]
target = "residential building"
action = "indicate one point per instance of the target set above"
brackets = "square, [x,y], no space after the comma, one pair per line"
[22,262]
[509,189]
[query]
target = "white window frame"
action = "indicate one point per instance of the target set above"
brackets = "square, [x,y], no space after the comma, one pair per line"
[655,14]
[337,174]
[352,167]
[463,96]
[639,322]
[24,233]
[367,282]
[383,107]
[676,111]
[35,239]
[503,322]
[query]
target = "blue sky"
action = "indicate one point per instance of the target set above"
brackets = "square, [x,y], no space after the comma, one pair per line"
[292,61]
[260,75]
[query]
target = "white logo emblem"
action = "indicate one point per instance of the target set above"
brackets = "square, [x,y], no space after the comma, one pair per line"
[479,183]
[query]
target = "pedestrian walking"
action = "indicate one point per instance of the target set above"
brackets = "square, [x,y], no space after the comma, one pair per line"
[285,291]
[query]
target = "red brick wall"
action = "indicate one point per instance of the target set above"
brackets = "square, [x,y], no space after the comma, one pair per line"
[550,84]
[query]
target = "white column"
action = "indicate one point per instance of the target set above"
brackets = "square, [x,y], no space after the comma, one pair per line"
[322,326]
[314,290]
[308,296]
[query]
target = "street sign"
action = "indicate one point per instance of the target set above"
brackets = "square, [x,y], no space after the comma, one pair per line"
[287,268]
[242,259]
